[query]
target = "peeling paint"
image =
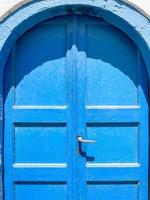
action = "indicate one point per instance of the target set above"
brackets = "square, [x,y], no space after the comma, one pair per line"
[9,8]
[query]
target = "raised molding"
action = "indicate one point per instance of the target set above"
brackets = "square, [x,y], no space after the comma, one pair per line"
[9,6]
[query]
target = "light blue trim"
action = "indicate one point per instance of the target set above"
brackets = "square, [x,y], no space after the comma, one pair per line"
[120,14]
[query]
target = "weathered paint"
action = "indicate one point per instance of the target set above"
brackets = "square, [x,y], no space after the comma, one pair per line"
[63,80]
[134,24]
[142,6]
[8,7]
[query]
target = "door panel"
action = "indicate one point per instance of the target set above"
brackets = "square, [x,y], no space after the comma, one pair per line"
[68,77]
[40,66]
[112,191]
[39,144]
[40,191]
[119,142]
[112,65]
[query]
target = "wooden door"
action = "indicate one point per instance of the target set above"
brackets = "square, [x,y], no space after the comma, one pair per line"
[76,114]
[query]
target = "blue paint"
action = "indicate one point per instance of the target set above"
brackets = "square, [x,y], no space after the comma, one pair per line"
[43,191]
[111,55]
[60,93]
[103,190]
[122,16]
[37,144]
[119,142]
[50,66]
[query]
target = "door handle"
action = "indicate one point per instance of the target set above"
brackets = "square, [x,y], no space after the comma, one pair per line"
[81,140]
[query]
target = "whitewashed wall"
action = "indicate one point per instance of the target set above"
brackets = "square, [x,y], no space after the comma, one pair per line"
[8,6]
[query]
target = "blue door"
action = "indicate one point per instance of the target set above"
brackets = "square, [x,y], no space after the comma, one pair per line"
[76,114]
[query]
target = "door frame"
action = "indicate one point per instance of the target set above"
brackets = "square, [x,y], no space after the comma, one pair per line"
[117,13]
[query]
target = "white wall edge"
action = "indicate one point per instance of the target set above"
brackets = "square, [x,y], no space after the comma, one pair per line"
[9,6]
[143,6]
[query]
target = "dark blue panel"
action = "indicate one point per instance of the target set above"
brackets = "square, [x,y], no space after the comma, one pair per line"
[111,67]
[41,66]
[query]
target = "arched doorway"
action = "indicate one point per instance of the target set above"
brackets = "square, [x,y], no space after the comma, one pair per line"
[68,77]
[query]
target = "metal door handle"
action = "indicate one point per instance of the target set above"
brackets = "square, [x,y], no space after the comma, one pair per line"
[80,139]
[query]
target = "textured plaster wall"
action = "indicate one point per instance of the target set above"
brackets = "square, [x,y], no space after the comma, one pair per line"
[142,5]
[8,6]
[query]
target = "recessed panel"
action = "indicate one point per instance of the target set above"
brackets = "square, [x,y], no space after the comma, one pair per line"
[112,191]
[40,191]
[40,61]
[112,67]
[114,144]
[40,144]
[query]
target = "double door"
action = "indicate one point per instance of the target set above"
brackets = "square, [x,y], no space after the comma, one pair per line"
[76,114]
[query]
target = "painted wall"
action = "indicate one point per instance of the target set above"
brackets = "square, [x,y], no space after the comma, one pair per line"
[8,6]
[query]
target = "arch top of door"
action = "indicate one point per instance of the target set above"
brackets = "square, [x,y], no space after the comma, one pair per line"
[117,13]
